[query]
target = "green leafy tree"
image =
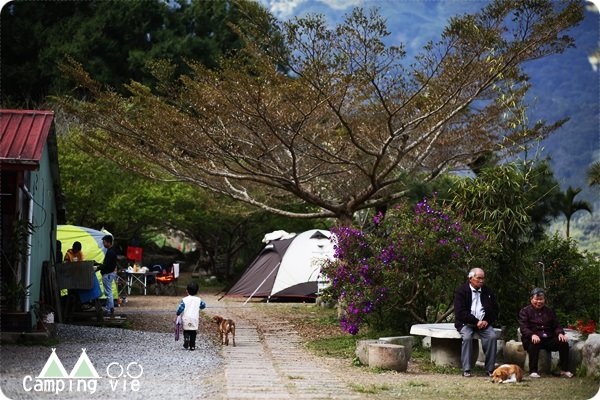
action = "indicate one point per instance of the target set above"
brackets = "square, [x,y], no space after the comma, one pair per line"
[542,190]
[102,34]
[100,194]
[113,39]
[490,199]
[570,206]
[229,233]
[512,204]
[593,174]
[572,279]
[349,123]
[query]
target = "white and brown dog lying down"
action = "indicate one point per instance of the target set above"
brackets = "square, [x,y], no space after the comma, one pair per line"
[507,373]
[225,326]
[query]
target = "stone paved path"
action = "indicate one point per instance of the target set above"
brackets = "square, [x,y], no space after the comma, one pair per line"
[269,362]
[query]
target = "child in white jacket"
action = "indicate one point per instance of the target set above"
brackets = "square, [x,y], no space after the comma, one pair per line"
[189,311]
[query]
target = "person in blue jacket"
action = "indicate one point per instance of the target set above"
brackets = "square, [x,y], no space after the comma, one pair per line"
[189,308]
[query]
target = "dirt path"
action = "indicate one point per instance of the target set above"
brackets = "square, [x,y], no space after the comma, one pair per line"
[268,362]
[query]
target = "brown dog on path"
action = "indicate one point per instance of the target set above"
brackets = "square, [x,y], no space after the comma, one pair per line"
[226,326]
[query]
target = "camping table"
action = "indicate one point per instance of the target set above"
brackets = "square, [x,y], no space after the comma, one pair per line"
[140,277]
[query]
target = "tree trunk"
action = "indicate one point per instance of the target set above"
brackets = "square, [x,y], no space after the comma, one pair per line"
[344,219]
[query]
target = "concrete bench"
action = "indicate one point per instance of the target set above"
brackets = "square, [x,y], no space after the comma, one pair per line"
[446,342]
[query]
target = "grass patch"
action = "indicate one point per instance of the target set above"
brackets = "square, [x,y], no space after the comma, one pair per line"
[442,369]
[51,342]
[416,384]
[127,324]
[376,370]
[421,353]
[309,313]
[339,346]
[369,389]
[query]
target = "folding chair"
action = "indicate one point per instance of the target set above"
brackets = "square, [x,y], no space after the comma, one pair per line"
[168,281]
[151,279]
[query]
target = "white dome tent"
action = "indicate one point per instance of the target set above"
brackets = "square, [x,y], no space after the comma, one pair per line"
[287,267]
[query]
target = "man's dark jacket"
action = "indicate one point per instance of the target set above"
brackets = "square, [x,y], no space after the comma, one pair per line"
[462,306]
[110,261]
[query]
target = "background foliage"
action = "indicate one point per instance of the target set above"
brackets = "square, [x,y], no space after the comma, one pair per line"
[101,195]
[113,39]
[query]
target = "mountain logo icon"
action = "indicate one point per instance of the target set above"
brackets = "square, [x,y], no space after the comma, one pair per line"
[83,369]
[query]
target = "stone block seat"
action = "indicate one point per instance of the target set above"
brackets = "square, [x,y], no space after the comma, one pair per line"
[446,342]
[386,352]
[388,356]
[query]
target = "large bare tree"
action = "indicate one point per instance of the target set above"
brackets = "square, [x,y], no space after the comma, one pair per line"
[341,123]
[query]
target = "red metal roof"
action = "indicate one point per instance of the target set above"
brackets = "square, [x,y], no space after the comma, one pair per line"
[23,135]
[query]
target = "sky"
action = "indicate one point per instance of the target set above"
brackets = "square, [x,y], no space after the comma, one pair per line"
[564,85]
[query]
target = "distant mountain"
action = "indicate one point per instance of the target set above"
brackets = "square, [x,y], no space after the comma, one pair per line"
[567,86]
[585,230]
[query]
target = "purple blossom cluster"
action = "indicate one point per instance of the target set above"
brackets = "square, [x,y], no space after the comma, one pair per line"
[382,266]
[351,327]
[349,238]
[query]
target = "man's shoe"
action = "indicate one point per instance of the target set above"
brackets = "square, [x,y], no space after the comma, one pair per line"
[489,373]
[192,348]
[534,375]
[467,374]
[566,374]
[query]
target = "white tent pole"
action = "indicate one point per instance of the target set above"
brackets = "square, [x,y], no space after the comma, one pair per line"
[264,280]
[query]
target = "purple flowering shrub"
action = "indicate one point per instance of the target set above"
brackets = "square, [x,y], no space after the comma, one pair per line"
[411,261]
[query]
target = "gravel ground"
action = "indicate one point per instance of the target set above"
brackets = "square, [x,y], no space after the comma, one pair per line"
[132,364]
